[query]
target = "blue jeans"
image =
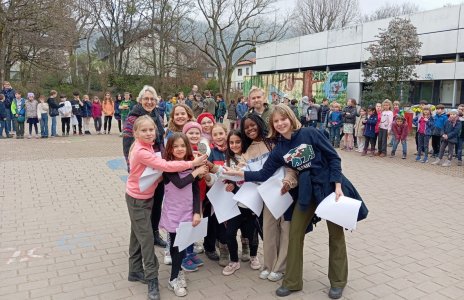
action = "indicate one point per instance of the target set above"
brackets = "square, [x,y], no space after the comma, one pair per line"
[404,145]
[53,126]
[3,126]
[423,145]
[459,147]
[10,125]
[44,125]
[335,136]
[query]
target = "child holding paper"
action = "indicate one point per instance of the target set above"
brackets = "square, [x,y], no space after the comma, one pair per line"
[181,204]
[308,151]
[256,149]
[139,204]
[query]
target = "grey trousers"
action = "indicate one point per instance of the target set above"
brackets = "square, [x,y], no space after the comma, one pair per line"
[141,238]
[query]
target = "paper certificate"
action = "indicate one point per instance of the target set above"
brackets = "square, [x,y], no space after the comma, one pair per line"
[344,212]
[249,196]
[224,206]
[270,193]
[149,176]
[186,234]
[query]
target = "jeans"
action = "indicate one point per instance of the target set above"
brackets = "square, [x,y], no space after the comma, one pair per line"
[404,145]
[44,125]
[459,147]
[53,125]
[98,123]
[423,145]
[335,136]
[246,223]
[10,125]
[3,126]
[20,129]
[371,141]
[79,125]
[446,144]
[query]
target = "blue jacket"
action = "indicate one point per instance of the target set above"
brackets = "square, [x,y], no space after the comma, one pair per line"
[217,157]
[9,96]
[117,111]
[2,110]
[319,166]
[452,131]
[369,128]
[336,116]
[428,126]
[439,124]
[87,109]
[169,107]
[162,107]
[241,109]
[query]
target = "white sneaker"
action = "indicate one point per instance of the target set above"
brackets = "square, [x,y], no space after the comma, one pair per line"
[167,258]
[175,286]
[436,162]
[198,248]
[275,276]
[182,279]
[254,263]
[264,274]
[447,163]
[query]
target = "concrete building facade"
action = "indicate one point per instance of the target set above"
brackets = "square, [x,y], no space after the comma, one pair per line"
[441,73]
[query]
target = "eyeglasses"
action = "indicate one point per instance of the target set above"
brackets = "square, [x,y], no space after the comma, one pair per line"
[146,99]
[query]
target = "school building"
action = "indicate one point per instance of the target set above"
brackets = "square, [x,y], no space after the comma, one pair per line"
[440,75]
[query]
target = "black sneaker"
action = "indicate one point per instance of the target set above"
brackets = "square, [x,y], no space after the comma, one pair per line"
[136,276]
[212,255]
[153,289]
[159,240]
[283,292]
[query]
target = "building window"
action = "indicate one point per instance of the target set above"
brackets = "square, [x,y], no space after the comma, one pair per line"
[247,71]
[239,72]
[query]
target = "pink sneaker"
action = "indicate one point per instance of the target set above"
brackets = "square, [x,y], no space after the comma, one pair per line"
[254,263]
[231,268]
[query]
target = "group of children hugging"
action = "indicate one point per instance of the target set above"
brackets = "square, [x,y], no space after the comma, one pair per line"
[76,113]
[188,173]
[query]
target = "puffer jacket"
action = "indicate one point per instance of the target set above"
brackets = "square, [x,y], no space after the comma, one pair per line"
[349,115]
[31,108]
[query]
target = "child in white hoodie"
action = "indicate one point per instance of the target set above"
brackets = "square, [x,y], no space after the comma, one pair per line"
[65,111]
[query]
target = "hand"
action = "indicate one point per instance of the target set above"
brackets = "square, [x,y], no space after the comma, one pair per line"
[232,172]
[338,191]
[201,170]
[196,220]
[208,177]
[285,188]
[198,161]
[445,136]
[229,187]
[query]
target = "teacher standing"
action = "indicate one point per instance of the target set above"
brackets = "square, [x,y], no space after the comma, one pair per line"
[308,151]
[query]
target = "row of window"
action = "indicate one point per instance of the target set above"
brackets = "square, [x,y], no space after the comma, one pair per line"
[240,71]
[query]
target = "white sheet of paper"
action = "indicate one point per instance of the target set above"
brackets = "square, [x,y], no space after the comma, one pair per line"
[344,212]
[187,234]
[149,176]
[223,203]
[249,196]
[270,193]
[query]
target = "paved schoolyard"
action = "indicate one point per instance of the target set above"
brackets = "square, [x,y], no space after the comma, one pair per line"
[64,230]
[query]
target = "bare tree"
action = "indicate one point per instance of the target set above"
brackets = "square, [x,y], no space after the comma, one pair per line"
[312,16]
[391,10]
[232,30]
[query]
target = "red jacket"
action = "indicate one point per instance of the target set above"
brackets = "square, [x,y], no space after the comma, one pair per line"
[400,132]
[96,110]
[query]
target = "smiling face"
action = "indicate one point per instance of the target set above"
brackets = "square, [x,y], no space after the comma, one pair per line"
[179,149]
[148,101]
[219,136]
[207,125]
[251,129]
[145,132]
[180,116]
[193,135]
[282,124]
[235,144]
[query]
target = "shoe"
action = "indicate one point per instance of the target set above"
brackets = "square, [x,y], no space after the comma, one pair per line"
[197,248]
[425,160]
[136,276]
[120,135]
[382,155]
[108,132]
[372,154]
[188,265]
[231,268]
[88,132]
[335,293]
[404,156]
[418,158]
[245,250]
[80,133]
[9,136]
[254,263]
[18,137]
[364,153]
[283,292]
[153,290]
[436,162]
[392,154]
[459,162]
[223,255]
[104,132]
[196,260]
[29,136]
[275,276]
[182,279]
[175,286]
[167,258]
[159,240]
[377,154]
[447,163]
[212,255]
[264,274]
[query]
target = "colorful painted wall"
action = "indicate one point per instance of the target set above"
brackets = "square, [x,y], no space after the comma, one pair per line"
[318,84]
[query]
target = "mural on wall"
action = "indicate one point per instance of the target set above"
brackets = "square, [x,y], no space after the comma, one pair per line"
[318,84]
